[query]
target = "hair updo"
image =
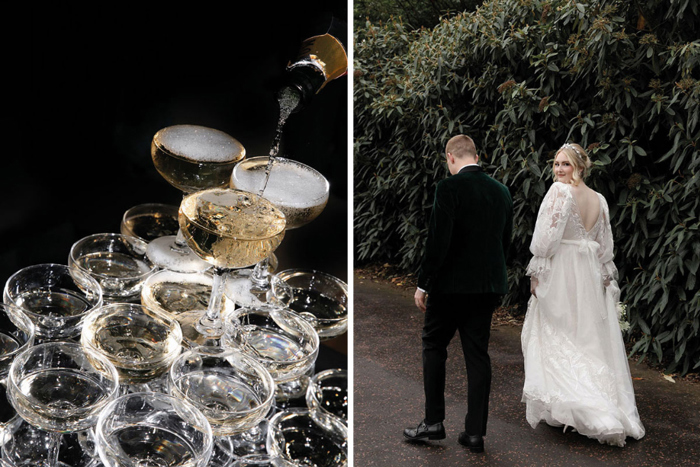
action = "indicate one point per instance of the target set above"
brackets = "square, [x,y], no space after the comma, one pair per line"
[579,160]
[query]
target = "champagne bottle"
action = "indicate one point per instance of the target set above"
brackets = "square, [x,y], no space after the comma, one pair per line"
[321,59]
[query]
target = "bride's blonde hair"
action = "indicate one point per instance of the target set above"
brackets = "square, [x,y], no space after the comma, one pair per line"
[579,160]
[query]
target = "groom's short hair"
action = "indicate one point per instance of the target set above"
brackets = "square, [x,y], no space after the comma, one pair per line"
[461,146]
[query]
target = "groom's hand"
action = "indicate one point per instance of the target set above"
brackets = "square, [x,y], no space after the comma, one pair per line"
[419,298]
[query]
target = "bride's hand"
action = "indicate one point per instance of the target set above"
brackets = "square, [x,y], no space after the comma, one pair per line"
[533,286]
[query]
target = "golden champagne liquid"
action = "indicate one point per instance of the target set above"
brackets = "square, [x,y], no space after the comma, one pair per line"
[231,228]
[193,158]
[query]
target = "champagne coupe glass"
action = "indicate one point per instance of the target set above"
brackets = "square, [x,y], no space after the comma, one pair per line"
[327,395]
[177,292]
[282,341]
[262,460]
[16,335]
[149,221]
[233,391]
[54,297]
[298,190]
[317,296]
[229,229]
[294,435]
[118,262]
[55,387]
[140,342]
[191,158]
[27,446]
[152,429]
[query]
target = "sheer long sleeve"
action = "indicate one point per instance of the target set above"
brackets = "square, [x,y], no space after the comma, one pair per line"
[608,270]
[549,229]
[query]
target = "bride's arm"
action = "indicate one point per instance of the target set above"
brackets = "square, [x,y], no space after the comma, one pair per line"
[606,250]
[549,229]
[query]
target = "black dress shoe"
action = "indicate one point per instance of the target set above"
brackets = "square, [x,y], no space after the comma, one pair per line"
[425,431]
[475,443]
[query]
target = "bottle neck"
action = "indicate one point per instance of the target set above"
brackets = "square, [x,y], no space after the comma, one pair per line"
[303,82]
[321,59]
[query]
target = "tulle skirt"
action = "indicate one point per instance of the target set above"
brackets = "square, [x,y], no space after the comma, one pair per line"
[576,369]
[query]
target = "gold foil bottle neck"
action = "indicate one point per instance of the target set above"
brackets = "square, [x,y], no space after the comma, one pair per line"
[324,52]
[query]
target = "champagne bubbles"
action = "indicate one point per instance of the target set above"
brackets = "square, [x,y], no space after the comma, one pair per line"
[198,143]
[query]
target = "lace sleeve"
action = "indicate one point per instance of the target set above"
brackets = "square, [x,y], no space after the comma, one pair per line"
[605,240]
[549,228]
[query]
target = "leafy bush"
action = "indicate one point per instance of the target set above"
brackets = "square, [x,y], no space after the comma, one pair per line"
[522,77]
[418,14]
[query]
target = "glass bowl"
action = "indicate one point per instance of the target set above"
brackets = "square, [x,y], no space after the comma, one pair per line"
[262,460]
[231,389]
[317,296]
[294,435]
[141,342]
[57,387]
[299,191]
[327,394]
[55,297]
[118,262]
[16,335]
[152,429]
[284,343]
[177,292]
[150,221]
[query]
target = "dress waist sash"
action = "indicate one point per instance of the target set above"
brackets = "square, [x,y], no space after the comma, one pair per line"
[589,248]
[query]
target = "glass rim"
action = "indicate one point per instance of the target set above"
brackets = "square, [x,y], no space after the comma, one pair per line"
[309,330]
[296,272]
[25,325]
[294,412]
[103,313]
[201,423]
[256,159]
[134,242]
[238,158]
[259,367]
[13,384]
[95,288]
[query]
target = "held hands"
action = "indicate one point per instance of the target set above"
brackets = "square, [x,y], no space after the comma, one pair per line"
[419,297]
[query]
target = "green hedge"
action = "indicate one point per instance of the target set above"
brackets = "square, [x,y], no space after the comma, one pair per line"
[522,77]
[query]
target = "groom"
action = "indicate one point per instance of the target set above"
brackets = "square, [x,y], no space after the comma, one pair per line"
[461,281]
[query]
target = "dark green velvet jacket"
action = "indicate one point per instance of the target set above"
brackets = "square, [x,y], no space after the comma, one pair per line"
[469,235]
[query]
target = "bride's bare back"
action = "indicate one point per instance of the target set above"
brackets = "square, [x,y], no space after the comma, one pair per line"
[588,204]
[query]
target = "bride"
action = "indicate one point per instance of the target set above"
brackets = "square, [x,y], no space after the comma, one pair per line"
[576,370]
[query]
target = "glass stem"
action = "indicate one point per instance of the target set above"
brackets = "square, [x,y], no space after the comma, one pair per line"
[260,277]
[217,293]
[180,241]
[53,449]
[180,237]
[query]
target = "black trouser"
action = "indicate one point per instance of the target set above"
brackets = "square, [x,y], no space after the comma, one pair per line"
[470,314]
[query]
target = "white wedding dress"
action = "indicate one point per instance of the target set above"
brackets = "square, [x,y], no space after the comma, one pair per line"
[576,369]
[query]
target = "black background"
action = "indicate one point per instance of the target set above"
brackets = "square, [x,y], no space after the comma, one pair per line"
[89,87]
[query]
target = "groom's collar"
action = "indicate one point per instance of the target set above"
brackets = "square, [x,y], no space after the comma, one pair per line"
[470,168]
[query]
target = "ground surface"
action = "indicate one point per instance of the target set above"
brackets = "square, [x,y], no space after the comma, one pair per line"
[388,396]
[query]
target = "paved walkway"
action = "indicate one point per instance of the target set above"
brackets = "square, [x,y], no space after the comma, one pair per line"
[388,396]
